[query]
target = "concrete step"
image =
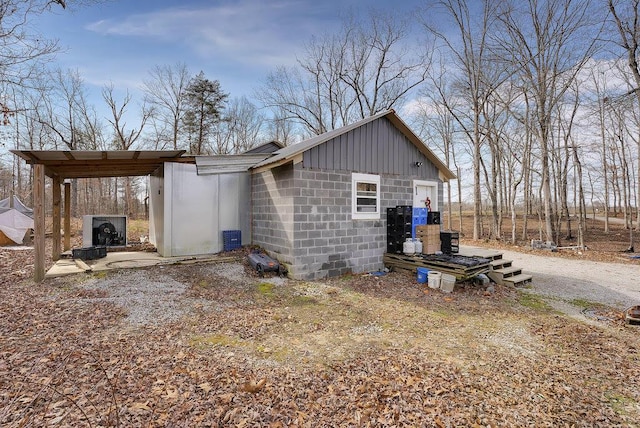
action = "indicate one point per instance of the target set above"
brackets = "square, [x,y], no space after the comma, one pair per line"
[518,280]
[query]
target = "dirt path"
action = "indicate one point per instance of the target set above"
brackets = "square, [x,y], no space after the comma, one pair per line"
[611,219]
[612,284]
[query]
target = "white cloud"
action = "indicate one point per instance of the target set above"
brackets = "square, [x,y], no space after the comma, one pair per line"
[267,32]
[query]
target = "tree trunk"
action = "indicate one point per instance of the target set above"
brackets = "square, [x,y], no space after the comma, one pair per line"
[477,194]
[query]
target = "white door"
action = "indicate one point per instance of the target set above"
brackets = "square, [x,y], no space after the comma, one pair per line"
[423,190]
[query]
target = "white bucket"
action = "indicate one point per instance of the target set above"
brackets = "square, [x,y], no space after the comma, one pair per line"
[434,279]
[447,282]
[408,247]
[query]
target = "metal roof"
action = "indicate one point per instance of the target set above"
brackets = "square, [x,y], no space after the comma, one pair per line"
[289,152]
[100,163]
[220,164]
[268,147]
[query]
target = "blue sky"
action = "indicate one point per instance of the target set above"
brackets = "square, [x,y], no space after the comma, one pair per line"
[235,42]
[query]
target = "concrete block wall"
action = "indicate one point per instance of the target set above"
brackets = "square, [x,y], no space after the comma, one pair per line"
[328,242]
[302,217]
[272,212]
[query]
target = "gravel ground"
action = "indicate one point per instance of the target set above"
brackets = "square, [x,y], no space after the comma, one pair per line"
[564,280]
[151,296]
[154,297]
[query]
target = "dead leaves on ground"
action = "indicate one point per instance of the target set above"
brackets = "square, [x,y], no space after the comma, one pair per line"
[66,361]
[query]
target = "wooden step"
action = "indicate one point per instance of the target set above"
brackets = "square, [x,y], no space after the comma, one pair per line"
[480,252]
[500,264]
[498,275]
[518,280]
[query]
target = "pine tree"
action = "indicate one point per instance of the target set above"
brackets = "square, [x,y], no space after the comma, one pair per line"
[205,102]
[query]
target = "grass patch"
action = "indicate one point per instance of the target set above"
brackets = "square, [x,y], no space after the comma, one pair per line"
[303,301]
[445,313]
[101,274]
[214,340]
[533,301]
[266,289]
[584,303]
[620,403]
[138,227]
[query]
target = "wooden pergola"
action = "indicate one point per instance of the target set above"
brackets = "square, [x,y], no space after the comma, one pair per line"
[61,165]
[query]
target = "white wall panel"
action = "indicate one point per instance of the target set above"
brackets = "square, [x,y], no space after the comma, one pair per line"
[197,208]
[194,213]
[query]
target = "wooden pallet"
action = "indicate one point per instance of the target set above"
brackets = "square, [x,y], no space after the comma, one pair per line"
[481,252]
[438,263]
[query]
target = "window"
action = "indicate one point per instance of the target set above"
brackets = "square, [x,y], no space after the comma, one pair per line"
[365,196]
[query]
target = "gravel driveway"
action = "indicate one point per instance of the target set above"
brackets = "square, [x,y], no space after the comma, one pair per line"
[612,284]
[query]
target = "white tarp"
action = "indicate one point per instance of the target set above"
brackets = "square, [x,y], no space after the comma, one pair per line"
[14,225]
[5,204]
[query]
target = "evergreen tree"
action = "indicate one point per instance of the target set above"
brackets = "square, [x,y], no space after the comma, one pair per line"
[205,102]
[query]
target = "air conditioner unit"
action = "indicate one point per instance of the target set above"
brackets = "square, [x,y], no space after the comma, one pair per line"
[104,230]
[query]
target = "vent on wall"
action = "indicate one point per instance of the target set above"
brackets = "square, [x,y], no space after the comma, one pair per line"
[104,230]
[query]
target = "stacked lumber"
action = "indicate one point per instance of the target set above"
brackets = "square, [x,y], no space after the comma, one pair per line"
[429,234]
[462,267]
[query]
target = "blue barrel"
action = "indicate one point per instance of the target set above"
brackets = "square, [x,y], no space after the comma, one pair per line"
[423,275]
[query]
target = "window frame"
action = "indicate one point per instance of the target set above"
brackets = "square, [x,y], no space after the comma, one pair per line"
[364,178]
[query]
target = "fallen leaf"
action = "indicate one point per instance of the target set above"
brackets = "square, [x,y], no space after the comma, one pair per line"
[206,387]
[141,406]
[254,387]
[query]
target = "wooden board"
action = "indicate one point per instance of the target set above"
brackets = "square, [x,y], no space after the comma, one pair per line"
[437,263]
[4,239]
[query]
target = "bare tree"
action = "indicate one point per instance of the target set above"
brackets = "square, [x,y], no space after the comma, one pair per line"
[165,92]
[22,49]
[279,128]
[365,68]
[65,107]
[123,137]
[626,18]
[67,116]
[476,79]
[548,44]
[245,121]
[599,107]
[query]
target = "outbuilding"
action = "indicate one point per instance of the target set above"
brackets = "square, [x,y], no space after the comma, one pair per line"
[319,206]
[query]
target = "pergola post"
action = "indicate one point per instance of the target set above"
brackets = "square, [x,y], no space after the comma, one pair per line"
[55,250]
[38,214]
[67,215]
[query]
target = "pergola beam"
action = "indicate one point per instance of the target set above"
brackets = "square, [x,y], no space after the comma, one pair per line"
[38,220]
[67,216]
[55,250]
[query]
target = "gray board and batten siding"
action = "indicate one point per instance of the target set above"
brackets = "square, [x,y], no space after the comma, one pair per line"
[302,210]
[374,148]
